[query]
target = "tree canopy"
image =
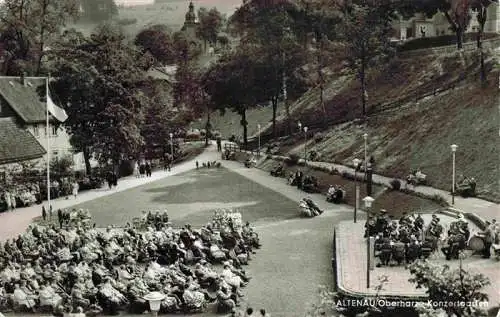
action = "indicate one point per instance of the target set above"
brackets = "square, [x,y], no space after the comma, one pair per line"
[210,24]
[27,27]
[158,41]
[98,80]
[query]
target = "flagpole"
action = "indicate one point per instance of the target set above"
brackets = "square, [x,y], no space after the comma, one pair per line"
[47,134]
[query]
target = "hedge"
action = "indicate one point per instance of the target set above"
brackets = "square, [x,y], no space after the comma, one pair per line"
[443,40]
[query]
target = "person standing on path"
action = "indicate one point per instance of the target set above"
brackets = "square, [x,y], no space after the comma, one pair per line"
[8,202]
[44,213]
[75,188]
[13,198]
[148,169]
[136,170]
[60,217]
[489,238]
[219,144]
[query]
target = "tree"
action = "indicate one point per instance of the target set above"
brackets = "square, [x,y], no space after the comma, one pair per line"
[98,82]
[27,27]
[158,42]
[366,30]
[210,24]
[481,7]
[446,285]
[98,10]
[232,84]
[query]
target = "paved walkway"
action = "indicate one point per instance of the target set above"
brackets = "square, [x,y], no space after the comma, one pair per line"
[351,254]
[16,222]
[485,209]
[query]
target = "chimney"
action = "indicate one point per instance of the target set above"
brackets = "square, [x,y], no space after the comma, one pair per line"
[23,79]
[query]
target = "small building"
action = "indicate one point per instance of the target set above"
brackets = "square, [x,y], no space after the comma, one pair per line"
[421,26]
[20,101]
[16,143]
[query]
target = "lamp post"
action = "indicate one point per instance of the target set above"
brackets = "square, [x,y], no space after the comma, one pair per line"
[154,299]
[305,144]
[369,242]
[356,162]
[258,128]
[299,124]
[453,151]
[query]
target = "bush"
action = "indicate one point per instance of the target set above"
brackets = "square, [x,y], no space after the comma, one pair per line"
[395,184]
[334,171]
[318,137]
[293,159]
[348,176]
[124,22]
[127,168]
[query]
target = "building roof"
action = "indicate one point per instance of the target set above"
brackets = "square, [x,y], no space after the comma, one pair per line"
[17,144]
[24,99]
[166,73]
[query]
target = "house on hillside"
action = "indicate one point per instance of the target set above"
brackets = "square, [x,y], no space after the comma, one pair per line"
[421,26]
[21,103]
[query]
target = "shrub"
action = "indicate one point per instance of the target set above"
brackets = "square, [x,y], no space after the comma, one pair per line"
[395,184]
[334,171]
[318,137]
[347,175]
[293,159]
[126,168]
[313,155]
[439,199]
[124,22]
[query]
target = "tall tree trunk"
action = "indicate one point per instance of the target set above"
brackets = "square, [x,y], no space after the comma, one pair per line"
[86,159]
[460,37]
[481,19]
[42,37]
[362,78]
[208,128]
[321,83]
[274,102]
[244,123]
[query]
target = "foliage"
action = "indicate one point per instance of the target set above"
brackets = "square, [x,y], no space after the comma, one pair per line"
[232,83]
[395,184]
[446,285]
[99,80]
[27,27]
[98,10]
[158,42]
[61,166]
[210,24]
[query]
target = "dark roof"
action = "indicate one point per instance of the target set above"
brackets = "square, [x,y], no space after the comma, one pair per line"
[24,99]
[17,144]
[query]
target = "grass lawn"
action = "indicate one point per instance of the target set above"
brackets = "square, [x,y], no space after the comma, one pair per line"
[192,198]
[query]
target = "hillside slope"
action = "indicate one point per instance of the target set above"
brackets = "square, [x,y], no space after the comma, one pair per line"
[419,135]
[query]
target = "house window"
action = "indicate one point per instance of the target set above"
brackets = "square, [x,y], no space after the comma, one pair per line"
[54,130]
[36,130]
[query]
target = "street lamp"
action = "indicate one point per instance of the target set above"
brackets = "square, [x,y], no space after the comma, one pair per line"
[300,126]
[453,151]
[356,162]
[305,144]
[369,241]
[154,299]
[258,128]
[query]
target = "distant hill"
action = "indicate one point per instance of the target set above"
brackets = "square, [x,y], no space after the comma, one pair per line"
[169,12]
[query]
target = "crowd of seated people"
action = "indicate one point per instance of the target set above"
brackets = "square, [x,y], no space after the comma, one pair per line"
[111,270]
[404,240]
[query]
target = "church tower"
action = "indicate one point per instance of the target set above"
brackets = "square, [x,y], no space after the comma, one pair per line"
[190,22]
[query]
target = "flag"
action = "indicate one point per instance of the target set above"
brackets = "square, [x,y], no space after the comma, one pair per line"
[56,111]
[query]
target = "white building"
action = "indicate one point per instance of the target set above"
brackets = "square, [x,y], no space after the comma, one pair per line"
[20,99]
[421,26]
